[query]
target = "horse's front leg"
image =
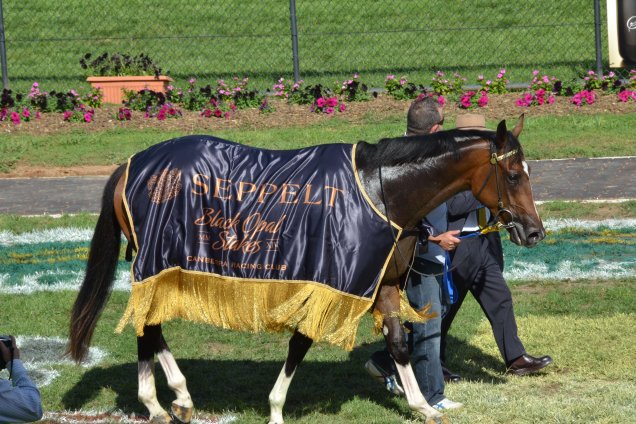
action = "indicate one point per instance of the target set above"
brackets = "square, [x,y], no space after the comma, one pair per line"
[151,343]
[299,344]
[388,304]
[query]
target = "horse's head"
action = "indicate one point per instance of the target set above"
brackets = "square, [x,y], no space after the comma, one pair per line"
[504,187]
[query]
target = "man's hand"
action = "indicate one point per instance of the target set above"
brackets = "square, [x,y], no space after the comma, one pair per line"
[6,353]
[447,241]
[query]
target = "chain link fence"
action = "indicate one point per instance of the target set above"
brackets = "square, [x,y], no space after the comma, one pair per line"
[210,40]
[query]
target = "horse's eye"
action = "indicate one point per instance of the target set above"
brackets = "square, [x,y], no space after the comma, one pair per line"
[513,178]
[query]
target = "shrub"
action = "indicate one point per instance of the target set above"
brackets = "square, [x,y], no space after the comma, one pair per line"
[328,105]
[540,97]
[163,111]
[445,86]
[402,89]
[468,100]
[498,85]
[583,97]
[593,81]
[352,90]
[79,114]
[118,64]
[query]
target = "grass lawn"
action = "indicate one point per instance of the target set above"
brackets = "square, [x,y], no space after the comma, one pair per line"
[585,324]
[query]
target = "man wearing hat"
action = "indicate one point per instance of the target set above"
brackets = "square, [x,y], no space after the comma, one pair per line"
[425,116]
[477,266]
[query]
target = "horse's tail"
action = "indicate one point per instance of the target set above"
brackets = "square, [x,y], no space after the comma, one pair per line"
[100,272]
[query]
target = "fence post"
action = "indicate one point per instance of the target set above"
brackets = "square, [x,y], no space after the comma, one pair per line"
[294,37]
[3,51]
[598,38]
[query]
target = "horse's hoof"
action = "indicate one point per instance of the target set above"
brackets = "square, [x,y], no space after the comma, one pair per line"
[181,414]
[161,419]
[442,419]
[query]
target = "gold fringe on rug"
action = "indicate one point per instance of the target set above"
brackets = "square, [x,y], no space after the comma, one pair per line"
[316,310]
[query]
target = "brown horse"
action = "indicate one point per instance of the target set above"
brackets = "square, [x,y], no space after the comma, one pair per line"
[403,180]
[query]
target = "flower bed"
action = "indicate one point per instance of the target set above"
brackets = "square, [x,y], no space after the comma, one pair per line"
[227,100]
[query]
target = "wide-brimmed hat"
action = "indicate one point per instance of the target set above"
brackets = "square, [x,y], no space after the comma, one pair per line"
[470,121]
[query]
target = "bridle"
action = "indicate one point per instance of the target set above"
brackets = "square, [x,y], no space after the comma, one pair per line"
[501,210]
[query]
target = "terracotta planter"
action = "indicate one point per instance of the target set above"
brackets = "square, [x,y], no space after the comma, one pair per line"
[112,86]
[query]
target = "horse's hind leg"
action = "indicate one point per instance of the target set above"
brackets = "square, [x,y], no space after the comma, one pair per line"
[151,343]
[299,344]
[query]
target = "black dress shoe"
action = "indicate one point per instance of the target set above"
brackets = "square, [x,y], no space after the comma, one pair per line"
[526,364]
[449,376]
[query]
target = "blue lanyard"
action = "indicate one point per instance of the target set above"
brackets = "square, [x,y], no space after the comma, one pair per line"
[449,285]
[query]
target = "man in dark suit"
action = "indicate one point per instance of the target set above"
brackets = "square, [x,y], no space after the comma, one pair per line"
[477,265]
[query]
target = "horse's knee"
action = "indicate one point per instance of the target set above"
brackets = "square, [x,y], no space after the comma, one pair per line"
[399,351]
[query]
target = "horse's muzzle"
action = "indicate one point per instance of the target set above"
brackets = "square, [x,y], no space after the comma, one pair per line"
[519,236]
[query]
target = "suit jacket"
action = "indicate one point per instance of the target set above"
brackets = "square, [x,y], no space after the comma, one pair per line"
[467,258]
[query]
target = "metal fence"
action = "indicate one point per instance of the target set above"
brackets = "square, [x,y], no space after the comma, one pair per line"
[210,40]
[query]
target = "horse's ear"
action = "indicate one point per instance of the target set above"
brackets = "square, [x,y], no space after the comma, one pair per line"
[519,127]
[502,135]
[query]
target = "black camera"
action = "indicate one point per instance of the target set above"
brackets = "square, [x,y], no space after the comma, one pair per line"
[6,340]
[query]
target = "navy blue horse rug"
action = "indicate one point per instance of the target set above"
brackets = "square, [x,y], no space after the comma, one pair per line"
[253,239]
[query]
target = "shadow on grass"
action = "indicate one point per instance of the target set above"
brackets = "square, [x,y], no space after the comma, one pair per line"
[244,385]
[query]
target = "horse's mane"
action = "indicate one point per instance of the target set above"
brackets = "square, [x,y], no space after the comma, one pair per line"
[403,150]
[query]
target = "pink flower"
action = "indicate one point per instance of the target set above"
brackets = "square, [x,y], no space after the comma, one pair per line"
[441,100]
[342,107]
[67,115]
[550,99]
[483,100]
[389,77]
[329,110]
[227,115]
[332,102]
[26,113]
[37,115]
[15,118]
[320,102]
[88,117]
[624,95]
[218,113]
[535,72]
[521,102]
